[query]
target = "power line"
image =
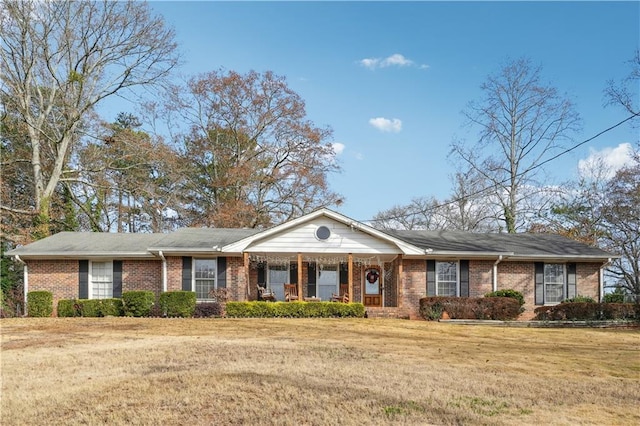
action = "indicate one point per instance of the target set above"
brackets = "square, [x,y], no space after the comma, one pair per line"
[494,186]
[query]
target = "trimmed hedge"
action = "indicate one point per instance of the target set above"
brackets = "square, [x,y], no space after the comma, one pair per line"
[39,303]
[515,294]
[485,308]
[208,310]
[294,310]
[138,303]
[587,311]
[178,303]
[580,299]
[90,308]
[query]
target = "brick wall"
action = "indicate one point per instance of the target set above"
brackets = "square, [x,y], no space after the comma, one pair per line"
[142,275]
[414,286]
[174,273]
[60,277]
[480,277]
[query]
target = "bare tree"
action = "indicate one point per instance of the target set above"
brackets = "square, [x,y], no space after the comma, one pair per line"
[521,122]
[420,213]
[59,59]
[252,157]
[625,93]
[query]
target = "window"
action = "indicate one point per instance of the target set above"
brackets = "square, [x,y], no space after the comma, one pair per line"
[276,279]
[446,278]
[554,282]
[204,277]
[101,279]
[327,281]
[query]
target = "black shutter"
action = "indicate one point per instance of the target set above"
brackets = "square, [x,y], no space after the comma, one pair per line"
[344,273]
[261,275]
[464,278]
[571,281]
[222,272]
[293,273]
[431,277]
[186,274]
[311,280]
[83,279]
[117,278]
[539,281]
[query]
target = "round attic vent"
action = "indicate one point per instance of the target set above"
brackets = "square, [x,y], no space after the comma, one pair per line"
[323,233]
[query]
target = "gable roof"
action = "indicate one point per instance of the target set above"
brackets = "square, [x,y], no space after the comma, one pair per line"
[416,244]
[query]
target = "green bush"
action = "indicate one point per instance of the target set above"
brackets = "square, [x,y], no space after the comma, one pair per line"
[580,299]
[39,303]
[90,308]
[515,294]
[587,311]
[485,308]
[137,303]
[615,297]
[294,310]
[68,308]
[178,303]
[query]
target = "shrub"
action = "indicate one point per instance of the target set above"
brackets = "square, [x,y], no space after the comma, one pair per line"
[615,297]
[39,303]
[491,308]
[93,308]
[508,293]
[587,311]
[68,308]
[111,307]
[178,303]
[208,310]
[137,303]
[580,299]
[294,310]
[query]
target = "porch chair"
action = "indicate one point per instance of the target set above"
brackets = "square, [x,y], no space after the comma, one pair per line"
[291,292]
[343,296]
[265,294]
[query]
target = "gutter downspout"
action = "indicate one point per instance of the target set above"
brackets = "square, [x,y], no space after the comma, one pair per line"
[25,282]
[604,265]
[164,271]
[495,273]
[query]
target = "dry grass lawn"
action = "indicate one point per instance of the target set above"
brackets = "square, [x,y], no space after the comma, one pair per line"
[313,372]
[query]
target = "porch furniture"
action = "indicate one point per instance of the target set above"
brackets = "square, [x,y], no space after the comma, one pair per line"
[343,296]
[265,294]
[291,292]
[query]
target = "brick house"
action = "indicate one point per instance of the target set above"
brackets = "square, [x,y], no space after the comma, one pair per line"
[323,252]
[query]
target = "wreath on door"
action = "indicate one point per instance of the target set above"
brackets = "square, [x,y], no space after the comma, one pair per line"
[372,276]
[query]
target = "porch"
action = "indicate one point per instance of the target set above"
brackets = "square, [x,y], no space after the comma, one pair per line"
[372,281]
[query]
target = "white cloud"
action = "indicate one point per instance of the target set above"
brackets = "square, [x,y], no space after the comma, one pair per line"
[607,161]
[395,60]
[338,148]
[359,156]
[386,125]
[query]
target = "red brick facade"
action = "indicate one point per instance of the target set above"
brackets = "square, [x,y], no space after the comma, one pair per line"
[402,291]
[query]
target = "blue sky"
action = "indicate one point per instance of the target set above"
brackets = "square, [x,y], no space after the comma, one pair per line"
[413,67]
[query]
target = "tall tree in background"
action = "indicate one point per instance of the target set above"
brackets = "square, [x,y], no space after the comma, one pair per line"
[522,121]
[128,181]
[58,59]
[625,93]
[252,157]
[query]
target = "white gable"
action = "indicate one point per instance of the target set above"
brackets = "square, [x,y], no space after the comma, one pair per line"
[343,239]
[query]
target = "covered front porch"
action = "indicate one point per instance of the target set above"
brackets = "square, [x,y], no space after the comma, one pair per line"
[370,280]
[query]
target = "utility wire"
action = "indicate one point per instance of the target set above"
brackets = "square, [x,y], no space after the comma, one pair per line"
[492,187]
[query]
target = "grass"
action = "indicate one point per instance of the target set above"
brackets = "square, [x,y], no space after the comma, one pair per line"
[313,372]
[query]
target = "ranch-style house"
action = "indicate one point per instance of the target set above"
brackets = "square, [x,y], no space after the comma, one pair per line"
[323,253]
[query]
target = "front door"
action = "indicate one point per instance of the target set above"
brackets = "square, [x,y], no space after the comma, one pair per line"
[372,287]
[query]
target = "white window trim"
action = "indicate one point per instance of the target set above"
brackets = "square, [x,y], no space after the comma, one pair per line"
[457,262]
[90,277]
[193,276]
[564,283]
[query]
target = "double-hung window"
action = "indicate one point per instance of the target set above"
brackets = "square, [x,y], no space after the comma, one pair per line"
[554,282]
[447,279]
[204,277]
[101,280]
